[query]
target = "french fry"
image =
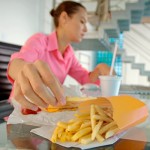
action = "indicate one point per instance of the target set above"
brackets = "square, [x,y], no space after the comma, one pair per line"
[108,112]
[106,127]
[85,124]
[62,124]
[63,137]
[86,139]
[81,133]
[69,136]
[96,129]
[82,115]
[110,133]
[92,113]
[102,118]
[74,127]
[84,118]
[99,138]
[100,110]
[54,136]
[60,131]
[72,121]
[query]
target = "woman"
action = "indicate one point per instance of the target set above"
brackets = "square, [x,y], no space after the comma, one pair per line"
[44,61]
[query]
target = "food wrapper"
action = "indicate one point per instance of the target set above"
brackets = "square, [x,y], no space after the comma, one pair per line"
[127,112]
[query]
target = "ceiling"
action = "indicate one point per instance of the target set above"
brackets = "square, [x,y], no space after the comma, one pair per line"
[91,5]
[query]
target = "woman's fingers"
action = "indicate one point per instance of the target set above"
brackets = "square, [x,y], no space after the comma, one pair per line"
[38,87]
[19,97]
[104,69]
[54,87]
[28,92]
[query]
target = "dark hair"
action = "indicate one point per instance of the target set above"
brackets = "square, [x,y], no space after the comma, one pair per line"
[70,7]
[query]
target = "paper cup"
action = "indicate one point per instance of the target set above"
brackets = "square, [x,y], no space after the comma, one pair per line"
[110,85]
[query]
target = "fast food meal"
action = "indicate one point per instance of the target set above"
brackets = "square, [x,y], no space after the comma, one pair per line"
[96,124]
[71,104]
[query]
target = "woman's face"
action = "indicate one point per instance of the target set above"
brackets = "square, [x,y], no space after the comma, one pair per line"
[75,26]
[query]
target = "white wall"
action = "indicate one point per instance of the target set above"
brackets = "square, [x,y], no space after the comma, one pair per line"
[45,20]
[19,19]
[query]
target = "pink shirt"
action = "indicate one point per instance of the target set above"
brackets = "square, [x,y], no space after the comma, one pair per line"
[45,47]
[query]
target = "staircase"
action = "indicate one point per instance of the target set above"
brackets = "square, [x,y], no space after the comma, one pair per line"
[121,22]
[122,19]
[139,66]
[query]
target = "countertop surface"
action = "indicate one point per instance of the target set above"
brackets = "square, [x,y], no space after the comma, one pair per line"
[18,136]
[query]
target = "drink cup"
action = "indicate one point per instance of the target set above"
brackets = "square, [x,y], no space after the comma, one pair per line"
[110,85]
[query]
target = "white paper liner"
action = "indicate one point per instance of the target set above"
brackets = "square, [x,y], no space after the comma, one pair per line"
[46,132]
[42,118]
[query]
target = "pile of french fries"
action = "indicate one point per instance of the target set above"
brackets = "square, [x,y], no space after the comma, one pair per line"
[96,124]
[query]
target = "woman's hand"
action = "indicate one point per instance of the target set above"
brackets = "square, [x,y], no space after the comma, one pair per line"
[100,69]
[33,84]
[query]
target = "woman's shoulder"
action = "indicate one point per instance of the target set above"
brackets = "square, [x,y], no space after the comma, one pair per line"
[38,36]
[38,39]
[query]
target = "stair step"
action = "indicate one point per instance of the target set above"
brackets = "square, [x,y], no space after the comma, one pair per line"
[124,25]
[137,5]
[138,66]
[112,33]
[146,9]
[120,14]
[128,59]
[146,73]
[107,27]
[136,16]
